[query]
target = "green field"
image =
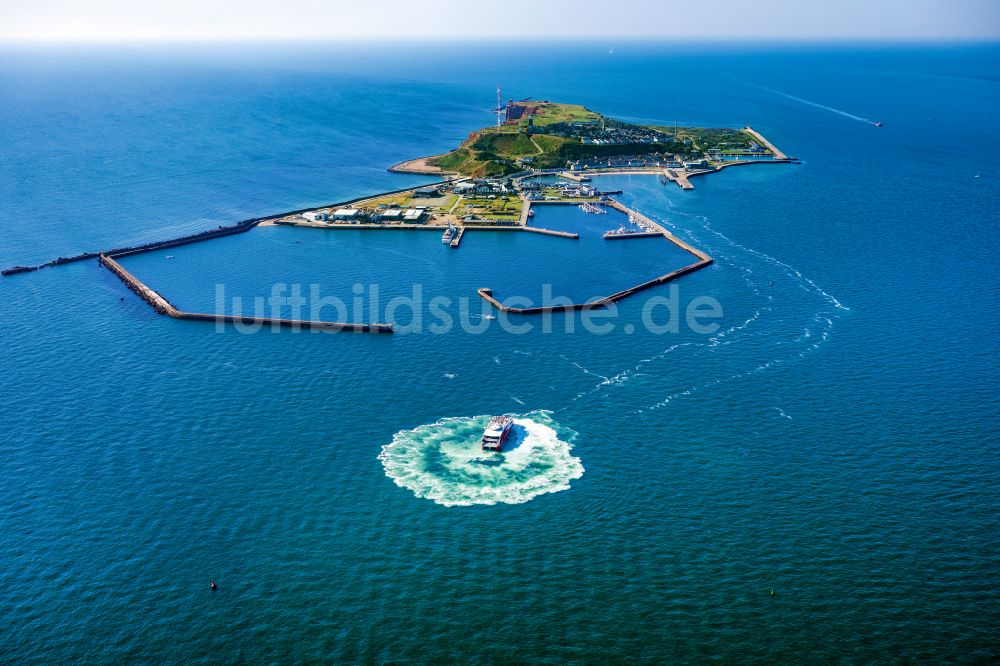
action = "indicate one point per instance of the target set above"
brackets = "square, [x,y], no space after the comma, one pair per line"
[550,113]
[712,138]
[505,207]
[496,151]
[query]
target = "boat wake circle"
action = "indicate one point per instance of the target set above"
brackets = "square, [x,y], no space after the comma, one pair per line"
[444,461]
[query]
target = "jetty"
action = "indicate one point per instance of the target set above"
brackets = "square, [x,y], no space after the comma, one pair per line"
[614,235]
[679,177]
[703,260]
[162,306]
[778,155]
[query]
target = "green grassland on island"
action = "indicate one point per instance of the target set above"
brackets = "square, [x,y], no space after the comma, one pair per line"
[547,135]
[503,208]
[549,113]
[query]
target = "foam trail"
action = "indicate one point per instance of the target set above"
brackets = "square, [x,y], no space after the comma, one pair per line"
[811,103]
[811,338]
[445,463]
[604,380]
[804,283]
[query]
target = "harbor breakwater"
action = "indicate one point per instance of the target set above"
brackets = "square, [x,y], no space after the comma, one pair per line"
[198,237]
[162,306]
[703,261]
[208,234]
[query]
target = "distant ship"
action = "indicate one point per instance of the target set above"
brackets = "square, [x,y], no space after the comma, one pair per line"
[496,432]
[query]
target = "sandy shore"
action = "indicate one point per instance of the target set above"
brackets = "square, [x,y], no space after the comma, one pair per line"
[419,165]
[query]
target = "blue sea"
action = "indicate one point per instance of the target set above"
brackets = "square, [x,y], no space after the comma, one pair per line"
[814,479]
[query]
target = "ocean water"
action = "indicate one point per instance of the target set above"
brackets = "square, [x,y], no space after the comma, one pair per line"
[814,480]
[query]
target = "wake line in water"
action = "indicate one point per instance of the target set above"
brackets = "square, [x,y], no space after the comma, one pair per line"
[814,334]
[831,109]
[804,283]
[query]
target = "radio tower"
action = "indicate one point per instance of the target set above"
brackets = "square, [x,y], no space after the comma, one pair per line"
[499,107]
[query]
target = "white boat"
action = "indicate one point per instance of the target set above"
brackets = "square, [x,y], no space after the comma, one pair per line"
[496,432]
[449,234]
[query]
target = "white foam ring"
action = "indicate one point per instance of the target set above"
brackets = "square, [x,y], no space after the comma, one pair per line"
[444,461]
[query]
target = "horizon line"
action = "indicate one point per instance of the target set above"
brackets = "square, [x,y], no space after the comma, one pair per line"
[755,39]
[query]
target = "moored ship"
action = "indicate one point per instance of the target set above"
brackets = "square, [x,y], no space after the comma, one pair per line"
[496,432]
[449,234]
[620,231]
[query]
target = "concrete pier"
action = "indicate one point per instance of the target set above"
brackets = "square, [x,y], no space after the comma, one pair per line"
[431,227]
[632,234]
[778,155]
[678,177]
[703,260]
[550,232]
[162,306]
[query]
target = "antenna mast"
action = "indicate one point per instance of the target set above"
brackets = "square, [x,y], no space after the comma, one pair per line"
[499,107]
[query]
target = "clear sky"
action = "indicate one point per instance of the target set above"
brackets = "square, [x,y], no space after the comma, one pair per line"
[336,20]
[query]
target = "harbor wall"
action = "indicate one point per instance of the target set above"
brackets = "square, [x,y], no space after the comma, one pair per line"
[760,137]
[208,234]
[162,306]
[636,234]
[434,227]
[703,260]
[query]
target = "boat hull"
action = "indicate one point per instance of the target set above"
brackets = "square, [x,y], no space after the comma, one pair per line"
[491,444]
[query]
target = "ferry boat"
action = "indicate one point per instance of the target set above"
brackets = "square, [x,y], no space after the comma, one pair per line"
[496,432]
[449,235]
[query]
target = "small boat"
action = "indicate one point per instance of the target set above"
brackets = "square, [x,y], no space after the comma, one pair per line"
[489,316]
[496,432]
[531,213]
[878,124]
[663,180]
[169,256]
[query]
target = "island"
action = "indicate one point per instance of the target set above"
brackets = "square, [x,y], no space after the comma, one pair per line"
[538,153]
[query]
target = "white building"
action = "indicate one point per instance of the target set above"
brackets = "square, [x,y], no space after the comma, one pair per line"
[346,214]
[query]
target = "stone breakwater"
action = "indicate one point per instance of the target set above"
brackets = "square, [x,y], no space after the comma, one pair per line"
[703,261]
[208,234]
[237,228]
[162,306]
